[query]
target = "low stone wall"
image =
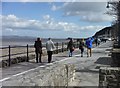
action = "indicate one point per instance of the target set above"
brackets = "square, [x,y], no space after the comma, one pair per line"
[109,77]
[116,57]
[54,75]
[5,63]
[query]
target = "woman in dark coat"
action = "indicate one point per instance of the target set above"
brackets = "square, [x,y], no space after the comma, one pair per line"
[70,47]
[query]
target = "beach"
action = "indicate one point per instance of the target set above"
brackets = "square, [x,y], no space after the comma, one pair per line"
[19,48]
[23,41]
[21,51]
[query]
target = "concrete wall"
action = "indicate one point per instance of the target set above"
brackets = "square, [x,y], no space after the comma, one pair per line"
[51,75]
[116,57]
[109,77]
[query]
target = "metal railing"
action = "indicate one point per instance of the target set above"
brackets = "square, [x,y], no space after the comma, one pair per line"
[13,51]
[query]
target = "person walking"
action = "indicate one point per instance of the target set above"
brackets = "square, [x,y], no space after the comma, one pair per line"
[70,47]
[96,41]
[38,50]
[89,42]
[99,41]
[81,46]
[50,47]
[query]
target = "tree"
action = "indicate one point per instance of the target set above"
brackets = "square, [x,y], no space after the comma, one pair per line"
[115,11]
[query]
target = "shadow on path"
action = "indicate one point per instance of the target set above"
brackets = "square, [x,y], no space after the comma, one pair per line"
[88,71]
[104,60]
[62,56]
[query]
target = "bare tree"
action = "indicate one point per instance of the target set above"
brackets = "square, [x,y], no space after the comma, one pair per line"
[114,10]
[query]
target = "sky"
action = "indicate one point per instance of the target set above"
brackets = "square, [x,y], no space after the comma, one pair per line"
[56,19]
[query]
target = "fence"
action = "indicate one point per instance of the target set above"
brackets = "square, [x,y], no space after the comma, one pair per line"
[13,54]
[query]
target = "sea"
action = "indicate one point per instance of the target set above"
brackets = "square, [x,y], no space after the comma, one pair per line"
[23,41]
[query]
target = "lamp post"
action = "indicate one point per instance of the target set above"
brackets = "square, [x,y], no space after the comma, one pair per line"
[119,24]
[117,6]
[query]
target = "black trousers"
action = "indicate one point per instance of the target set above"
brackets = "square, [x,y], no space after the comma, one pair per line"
[82,50]
[38,55]
[49,56]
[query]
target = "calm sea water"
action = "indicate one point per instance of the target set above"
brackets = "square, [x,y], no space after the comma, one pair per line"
[24,42]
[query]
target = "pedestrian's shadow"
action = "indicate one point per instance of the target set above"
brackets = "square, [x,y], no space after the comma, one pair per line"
[63,56]
[43,63]
[104,60]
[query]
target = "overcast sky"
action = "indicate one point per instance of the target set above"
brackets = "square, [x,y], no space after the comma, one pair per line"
[53,19]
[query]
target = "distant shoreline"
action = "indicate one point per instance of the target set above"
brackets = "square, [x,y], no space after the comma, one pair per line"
[24,42]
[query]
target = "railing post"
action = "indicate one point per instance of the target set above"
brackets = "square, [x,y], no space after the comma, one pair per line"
[27,54]
[9,56]
[77,44]
[67,46]
[62,46]
[57,47]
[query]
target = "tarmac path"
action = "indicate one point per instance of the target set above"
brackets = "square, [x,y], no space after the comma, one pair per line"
[87,68]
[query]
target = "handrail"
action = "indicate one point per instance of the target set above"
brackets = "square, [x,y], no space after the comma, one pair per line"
[27,52]
[30,46]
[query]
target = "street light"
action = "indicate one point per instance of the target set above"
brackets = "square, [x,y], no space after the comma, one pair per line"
[108,5]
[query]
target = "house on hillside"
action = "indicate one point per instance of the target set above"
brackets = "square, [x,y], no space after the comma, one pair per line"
[105,33]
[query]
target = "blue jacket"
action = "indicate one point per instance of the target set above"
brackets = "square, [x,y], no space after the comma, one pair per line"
[89,42]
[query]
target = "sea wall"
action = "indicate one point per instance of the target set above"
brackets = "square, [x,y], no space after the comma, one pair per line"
[51,75]
[109,77]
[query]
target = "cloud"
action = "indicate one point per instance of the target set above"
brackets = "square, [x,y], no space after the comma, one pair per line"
[89,28]
[95,18]
[87,11]
[81,0]
[54,0]
[54,7]
[27,0]
[11,23]
[9,29]
[84,6]
[46,17]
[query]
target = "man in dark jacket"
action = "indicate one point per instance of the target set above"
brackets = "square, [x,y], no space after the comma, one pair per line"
[38,49]
[81,46]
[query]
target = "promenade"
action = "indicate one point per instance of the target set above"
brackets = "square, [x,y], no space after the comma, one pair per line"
[86,68]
